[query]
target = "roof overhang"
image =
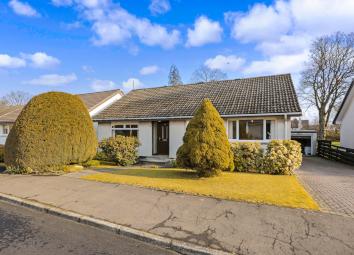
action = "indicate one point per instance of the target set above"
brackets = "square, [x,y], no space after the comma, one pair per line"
[288,114]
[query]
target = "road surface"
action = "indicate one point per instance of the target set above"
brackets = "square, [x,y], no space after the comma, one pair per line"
[26,231]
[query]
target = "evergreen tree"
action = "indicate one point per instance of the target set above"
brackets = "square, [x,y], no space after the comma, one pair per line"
[174,78]
[206,147]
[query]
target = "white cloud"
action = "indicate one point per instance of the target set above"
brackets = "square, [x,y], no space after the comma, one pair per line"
[23,9]
[101,85]
[52,80]
[132,83]
[113,25]
[289,26]
[62,2]
[204,31]
[159,6]
[261,22]
[109,33]
[278,64]
[146,70]
[225,63]
[283,31]
[41,60]
[7,61]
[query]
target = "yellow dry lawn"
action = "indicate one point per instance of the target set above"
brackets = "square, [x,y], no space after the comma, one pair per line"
[258,188]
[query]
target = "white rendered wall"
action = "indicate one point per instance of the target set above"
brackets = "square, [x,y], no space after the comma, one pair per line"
[347,128]
[145,138]
[177,130]
[104,130]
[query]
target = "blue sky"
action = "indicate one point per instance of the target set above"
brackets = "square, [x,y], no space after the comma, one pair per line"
[89,45]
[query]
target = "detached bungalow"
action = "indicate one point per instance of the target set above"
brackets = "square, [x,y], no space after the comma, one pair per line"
[95,103]
[253,109]
[345,117]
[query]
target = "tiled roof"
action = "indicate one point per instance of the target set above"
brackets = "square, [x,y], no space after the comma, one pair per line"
[261,95]
[9,114]
[92,100]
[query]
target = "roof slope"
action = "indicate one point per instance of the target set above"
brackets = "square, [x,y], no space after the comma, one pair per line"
[260,95]
[9,114]
[92,100]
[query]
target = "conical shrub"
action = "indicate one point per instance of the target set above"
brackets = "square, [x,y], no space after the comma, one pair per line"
[53,130]
[206,147]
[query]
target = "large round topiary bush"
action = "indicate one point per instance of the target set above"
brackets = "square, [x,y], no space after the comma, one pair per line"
[53,130]
[206,147]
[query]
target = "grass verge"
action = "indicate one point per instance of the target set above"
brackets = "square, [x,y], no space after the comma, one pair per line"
[278,190]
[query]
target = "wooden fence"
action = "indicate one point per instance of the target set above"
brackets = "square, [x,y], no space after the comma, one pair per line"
[333,152]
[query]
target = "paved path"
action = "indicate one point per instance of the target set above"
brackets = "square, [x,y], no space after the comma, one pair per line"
[330,183]
[238,227]
[25,231]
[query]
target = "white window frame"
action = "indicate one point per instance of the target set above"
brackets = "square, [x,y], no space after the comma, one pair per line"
[113,128]
[264,140]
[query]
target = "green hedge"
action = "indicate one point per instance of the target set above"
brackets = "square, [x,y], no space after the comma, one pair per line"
[52,131]
[282,157]
[248,156]
[122,150]
[206,147]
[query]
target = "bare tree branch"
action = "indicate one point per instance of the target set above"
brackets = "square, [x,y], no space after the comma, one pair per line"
[205,74]
[328,74]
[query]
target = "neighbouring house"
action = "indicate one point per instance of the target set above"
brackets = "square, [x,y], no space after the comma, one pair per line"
[95,103]
[345,117]
[253,109]
[301,131]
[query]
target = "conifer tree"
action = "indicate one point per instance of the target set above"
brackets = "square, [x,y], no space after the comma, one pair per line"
[174,78]
[206,147]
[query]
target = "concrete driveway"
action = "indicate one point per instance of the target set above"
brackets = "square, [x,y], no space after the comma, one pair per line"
[331,183]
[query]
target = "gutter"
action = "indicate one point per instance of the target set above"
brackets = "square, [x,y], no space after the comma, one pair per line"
[189,117]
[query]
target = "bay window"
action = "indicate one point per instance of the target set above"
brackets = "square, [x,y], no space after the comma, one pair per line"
[248,129]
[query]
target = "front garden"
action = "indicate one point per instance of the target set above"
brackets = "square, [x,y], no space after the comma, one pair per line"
[281,190]
[62,140]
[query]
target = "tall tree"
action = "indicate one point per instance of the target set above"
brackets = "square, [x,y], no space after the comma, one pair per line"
[327,75]
[174,78]
[16,98]
[205,74]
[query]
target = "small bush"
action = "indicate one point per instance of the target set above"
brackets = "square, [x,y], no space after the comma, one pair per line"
[248,156]
[2,152]
[121,150]
[101,156]
[206,147]
[282,157]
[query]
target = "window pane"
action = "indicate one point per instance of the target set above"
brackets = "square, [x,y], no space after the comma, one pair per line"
[134,126]
[122,132]
[268,129]
[234,130]
[118,126]
[251,129]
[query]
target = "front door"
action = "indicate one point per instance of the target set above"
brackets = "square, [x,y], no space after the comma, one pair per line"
[162,136]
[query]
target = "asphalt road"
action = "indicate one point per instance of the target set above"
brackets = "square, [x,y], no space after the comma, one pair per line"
[26,231]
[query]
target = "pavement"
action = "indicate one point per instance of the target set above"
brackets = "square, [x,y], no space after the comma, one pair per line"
[331,184]
[236,227]
[26,231]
